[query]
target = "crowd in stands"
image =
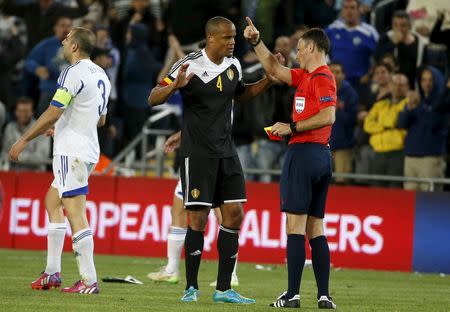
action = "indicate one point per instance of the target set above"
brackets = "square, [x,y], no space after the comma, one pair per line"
[391,60]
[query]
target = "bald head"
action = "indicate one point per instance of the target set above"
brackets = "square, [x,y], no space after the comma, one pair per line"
[213,26]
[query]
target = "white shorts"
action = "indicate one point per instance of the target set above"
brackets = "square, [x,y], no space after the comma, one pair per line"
[179,190]
[71,175]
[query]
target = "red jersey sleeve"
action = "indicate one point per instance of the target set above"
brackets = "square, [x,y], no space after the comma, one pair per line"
[297,75]
[325,90]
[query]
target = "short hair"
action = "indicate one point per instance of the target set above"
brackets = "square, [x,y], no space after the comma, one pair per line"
[319,38]
[213,24]
[385,65]
[24,100]
[61,17]
[85,38]
[357,2]
[401,14]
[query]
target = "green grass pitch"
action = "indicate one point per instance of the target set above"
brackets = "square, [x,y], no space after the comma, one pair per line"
[353,290]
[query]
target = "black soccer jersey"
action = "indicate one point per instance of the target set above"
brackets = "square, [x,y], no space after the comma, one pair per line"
[208,101]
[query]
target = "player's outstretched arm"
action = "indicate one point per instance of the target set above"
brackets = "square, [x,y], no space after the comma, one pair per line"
[267,59]
[42,125]
[160,94]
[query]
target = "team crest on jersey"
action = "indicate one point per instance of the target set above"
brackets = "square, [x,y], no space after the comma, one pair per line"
[299,104]
[357,41]
[230,74]
[195,193]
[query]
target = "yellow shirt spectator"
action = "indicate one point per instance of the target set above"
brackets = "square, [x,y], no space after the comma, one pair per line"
[381,124]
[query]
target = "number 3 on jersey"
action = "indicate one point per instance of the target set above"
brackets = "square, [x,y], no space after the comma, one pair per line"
[219,83]
[101,86]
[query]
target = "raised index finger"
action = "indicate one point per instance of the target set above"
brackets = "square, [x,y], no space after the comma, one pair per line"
[249,22]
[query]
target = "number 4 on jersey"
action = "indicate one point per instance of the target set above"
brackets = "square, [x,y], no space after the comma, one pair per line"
[219,83]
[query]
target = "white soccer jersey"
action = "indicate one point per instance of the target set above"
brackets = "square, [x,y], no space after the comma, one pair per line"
[83,92]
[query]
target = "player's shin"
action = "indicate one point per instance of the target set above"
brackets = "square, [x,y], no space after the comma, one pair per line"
[83,248]
[55,244]
[193,247]
[227,246]
[175,242]
[295,261]
[320,254]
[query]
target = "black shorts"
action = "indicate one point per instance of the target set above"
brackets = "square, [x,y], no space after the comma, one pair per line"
[304,179]
[211,182]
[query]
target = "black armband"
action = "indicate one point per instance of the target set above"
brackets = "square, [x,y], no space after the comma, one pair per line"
[293,126]
[255,44]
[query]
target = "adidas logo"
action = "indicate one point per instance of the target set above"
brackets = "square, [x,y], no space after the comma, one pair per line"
[196,253]
[205,74]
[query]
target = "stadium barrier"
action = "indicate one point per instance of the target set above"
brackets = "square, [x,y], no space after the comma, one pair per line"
[367,228]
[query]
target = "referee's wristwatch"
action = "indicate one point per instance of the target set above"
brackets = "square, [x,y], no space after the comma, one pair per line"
[293,126]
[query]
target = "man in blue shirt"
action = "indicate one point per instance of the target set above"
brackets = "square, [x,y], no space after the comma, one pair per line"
[46,61]
[352,43]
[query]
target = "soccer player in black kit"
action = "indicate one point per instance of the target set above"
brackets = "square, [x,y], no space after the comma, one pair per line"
[209,81]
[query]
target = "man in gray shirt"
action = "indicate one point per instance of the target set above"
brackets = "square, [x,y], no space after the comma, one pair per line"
[37,151]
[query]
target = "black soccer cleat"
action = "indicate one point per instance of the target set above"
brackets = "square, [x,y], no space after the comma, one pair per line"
[326,302]
[283,302]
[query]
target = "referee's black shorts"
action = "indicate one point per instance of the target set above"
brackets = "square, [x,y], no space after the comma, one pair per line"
[211,182]
[304,179]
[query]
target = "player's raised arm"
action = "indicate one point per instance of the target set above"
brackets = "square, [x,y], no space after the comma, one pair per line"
[267,59]
[167,87]
[253,89]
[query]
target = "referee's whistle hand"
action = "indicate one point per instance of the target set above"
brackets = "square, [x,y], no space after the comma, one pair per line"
[251,34]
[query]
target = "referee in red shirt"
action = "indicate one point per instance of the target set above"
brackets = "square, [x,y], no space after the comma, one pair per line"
[307,168]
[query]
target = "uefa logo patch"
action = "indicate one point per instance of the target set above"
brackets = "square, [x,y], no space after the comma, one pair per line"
[299,104]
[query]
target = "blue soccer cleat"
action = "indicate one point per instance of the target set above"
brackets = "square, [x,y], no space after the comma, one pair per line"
[190,295]
[231,296]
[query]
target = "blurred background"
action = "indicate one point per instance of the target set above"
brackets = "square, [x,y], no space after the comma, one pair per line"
[390,59]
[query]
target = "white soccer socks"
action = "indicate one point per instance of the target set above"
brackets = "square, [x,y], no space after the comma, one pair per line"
[83,247]
[175,243]
[55,244]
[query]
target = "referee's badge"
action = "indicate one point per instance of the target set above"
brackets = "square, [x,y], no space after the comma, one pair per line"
[230,74]
[195,193]
[299,104]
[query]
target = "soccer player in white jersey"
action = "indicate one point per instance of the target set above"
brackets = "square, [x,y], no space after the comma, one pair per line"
[77,109]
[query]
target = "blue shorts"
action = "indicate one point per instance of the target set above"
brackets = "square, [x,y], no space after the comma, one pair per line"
[304,179]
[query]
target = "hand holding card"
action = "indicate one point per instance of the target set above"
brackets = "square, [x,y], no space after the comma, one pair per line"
[271,136]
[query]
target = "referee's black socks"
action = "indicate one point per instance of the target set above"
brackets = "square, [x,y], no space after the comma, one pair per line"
[320,254]
[193,248]
[227,246]
[296,261]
